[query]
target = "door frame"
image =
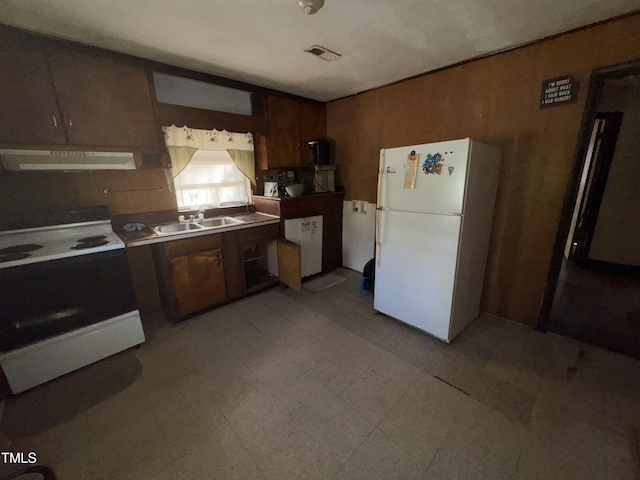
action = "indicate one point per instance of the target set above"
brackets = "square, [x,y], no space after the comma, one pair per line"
[591,200]
[594,95]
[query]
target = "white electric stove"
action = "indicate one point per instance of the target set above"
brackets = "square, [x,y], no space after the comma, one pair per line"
[32,245]
[67,300]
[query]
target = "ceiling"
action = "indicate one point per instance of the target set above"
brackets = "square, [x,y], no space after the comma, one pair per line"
[263,41]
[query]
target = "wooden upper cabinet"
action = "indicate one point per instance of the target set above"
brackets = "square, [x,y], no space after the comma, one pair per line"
[290,126]
[104,102]
[28,103]
[260,152]
[282,132]
[313,125]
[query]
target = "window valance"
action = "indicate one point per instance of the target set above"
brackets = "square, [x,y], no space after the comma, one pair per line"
[183,142]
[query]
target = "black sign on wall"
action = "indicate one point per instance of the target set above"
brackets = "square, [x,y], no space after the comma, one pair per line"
[557,91]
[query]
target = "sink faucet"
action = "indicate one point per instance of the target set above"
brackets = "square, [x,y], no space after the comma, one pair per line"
[197,214]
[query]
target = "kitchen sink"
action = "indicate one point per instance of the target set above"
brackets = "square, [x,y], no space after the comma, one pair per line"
[176,228]
[219,222]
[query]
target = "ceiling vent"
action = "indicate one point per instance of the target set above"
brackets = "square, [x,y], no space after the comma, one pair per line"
[323,53]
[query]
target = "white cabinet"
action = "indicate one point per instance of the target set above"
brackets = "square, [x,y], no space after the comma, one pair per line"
[306,232]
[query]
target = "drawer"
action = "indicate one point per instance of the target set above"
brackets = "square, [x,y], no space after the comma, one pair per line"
[257,233]
[187,246]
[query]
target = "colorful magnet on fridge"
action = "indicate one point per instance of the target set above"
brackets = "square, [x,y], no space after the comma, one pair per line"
[433,164]
[450,170]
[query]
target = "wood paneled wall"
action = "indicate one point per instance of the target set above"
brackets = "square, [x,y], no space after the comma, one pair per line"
[493,100]
[130,191]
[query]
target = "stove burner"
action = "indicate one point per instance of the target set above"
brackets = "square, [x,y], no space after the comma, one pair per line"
[27,247]
[94,239]
[10,257]
[83,245]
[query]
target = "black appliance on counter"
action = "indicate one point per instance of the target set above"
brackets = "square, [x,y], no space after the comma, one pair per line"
[321,151]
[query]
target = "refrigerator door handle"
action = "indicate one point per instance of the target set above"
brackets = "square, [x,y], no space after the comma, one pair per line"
[380,173]
[378,236]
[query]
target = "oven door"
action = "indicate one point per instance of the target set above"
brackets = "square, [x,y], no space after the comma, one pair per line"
[43,300]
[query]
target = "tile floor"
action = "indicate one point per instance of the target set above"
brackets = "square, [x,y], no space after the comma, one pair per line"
[288,385]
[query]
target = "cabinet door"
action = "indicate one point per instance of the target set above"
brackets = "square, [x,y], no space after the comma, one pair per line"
[283,137]
[260,146]
[313,125]
[27,97]
[289,264]
[198,281]
[104,102]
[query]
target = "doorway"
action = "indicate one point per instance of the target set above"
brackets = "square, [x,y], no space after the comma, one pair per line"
[593,288]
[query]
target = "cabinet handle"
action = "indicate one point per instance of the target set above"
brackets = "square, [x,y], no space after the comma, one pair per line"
[55,121]
[70,121]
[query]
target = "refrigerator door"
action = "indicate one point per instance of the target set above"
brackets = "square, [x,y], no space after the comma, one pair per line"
[415,268]
[439,191]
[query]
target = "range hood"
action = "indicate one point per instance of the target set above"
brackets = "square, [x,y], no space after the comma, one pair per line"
[65,160]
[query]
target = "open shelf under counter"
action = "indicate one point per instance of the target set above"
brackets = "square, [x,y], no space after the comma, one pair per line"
[257,278]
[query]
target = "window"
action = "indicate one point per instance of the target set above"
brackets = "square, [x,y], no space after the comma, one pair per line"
[193,93]
[211,179]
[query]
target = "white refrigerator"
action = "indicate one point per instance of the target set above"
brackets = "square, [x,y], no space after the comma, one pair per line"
[433,223]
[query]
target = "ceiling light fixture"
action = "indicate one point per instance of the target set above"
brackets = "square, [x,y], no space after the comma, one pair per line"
[310,6]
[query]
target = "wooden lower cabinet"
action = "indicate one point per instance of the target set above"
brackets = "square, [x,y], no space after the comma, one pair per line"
[190,274]
[198,281]
[259,255]
[329,205]
[200,273]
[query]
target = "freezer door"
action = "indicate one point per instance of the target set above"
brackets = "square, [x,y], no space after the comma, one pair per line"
[415,268]
[441,190]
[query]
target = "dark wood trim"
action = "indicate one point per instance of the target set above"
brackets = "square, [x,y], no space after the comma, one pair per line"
[154,106]
[178,115]
[497,52]
[619,70]
[594,95]
[233,265]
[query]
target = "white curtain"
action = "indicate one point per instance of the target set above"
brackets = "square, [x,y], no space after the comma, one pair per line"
[183,142]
